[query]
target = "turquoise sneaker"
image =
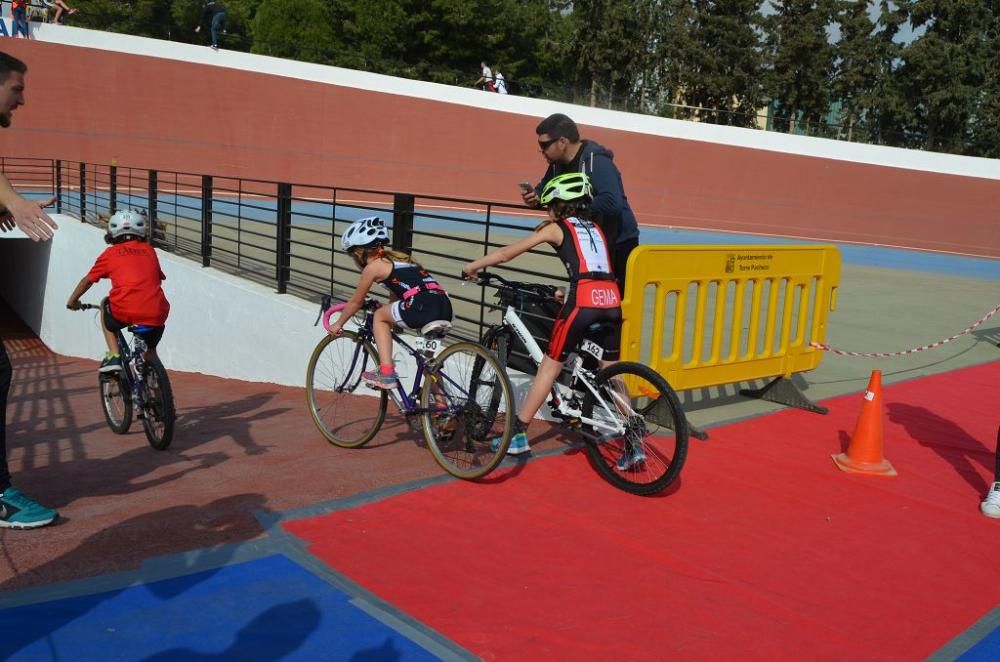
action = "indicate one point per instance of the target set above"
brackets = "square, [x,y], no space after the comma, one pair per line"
[518,444]
[633,455]
[19,512]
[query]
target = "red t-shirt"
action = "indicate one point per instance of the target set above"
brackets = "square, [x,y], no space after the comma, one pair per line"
[136,296]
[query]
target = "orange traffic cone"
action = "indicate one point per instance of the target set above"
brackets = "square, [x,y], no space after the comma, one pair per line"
[864,452]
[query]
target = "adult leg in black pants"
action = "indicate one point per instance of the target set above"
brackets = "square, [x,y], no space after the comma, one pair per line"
[619,261]
[16,510]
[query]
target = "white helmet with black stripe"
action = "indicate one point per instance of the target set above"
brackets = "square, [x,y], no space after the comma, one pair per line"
[365,233]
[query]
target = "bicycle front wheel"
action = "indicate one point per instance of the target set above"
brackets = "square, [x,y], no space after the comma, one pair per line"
[158,412]
[116,401]
[336,392]
[640,436]
[468,411]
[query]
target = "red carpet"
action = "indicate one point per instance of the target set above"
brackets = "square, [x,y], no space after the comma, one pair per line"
[765,551]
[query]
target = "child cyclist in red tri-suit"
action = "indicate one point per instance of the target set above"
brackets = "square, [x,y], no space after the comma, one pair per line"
[416,299]
[136,297]
[593,295]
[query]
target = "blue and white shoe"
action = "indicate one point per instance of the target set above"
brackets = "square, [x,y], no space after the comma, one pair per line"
[518,444]
[633,455]
[991,504]
[19,512]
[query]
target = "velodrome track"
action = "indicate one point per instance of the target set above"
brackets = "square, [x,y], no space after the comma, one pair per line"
[253,539]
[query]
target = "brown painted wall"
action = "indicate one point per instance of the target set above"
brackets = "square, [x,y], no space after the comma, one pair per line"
[90,105]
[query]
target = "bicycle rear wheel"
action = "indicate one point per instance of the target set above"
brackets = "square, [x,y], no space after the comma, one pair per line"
[464,436]
[335,391]
[649,455]
[158,412]
[116,401]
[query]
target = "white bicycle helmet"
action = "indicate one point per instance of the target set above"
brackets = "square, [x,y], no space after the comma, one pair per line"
[365,232]
[127,222]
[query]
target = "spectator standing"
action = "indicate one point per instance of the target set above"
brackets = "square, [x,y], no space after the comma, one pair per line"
[19,18]
[560,144]
[499,82]
[215,13]
[486,79]
[17,511]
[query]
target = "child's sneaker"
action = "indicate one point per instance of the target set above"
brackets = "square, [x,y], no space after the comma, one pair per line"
[991,504]
[632,456]
[376,379]
[111,363]
[19,512]
[518,444]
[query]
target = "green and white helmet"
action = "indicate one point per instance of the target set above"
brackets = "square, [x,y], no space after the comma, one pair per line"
[568,187]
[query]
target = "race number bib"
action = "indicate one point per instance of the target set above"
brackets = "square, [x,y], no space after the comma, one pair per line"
[592,348]
[431,345]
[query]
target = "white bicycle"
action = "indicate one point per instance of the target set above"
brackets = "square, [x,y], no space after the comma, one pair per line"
[635,432]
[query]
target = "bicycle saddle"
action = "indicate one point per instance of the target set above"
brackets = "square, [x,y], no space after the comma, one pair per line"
[435,329]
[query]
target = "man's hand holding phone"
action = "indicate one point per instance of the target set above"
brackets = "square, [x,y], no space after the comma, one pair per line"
[528,195]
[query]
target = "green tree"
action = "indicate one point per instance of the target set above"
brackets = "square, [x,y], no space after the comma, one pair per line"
[722,65]
[984,126]
[296,29]
[944,69]
[801,60]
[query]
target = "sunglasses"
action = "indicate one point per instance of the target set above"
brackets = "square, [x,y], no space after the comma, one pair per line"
[545,144]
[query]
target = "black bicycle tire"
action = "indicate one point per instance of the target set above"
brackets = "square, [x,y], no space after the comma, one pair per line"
[162,440]
[125,392]
[440,456]
[497,340]
[681,432]
[311,400]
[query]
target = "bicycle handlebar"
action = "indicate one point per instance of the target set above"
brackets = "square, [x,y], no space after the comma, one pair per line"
[484,278]
[327,309]
[87,306]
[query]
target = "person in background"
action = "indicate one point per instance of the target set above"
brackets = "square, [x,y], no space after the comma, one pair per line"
[499,82]
[560,144]
[55,10]
[19,18]
[17,511]
[215,13]
[486,79]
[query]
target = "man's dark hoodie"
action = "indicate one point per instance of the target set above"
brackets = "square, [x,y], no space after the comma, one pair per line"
[610,207]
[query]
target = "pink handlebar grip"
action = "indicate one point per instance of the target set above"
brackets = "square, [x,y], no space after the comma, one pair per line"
[336,308]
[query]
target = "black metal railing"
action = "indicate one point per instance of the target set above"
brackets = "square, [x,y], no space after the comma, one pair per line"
[287,235]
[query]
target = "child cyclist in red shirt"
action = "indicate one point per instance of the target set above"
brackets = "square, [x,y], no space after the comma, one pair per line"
[593,295]
[136,297]
[415,298]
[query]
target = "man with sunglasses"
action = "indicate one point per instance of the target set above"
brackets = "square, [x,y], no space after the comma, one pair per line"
[560,144]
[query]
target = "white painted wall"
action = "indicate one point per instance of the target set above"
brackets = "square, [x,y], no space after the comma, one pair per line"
[219,324]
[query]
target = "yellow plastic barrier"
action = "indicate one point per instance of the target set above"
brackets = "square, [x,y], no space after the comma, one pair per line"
[710,315]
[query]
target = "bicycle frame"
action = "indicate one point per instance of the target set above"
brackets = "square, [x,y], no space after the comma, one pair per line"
[407,403]
[131,355]
[563,407]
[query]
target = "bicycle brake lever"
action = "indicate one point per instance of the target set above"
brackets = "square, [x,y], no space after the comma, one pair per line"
[324,303]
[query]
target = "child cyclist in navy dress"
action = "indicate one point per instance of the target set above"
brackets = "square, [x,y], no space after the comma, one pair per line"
[136,297]
[415,298]
[593,294]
